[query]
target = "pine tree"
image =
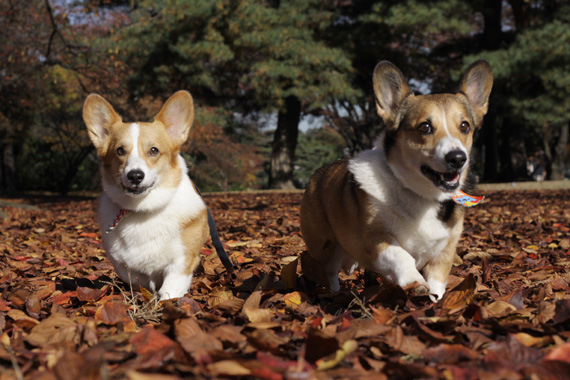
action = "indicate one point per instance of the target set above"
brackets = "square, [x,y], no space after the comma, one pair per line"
[244,55]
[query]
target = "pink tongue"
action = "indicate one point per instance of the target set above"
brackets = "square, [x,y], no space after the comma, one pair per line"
[450,177]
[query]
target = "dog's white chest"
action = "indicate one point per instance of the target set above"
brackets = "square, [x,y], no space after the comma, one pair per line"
[412,220]
[424,237]
[149,244]
[143,243]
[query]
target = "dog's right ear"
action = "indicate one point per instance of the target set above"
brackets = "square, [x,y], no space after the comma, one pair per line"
[390,89]
[98,116]
[177,115]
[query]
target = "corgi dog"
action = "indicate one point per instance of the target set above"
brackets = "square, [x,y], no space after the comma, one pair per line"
[391,209]
[152,218]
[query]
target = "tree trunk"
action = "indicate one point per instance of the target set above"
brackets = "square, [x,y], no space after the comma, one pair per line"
[492,15]
[8,168]
[560,153]
[284,145]
[73,165]
[492,36]
[546,138]
[521,12]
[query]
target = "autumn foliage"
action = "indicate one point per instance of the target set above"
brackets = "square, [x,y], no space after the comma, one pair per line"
[65,315]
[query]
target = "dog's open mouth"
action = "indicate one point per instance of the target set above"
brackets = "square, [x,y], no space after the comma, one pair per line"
[447,181]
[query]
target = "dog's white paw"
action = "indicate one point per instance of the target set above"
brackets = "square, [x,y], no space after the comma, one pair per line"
[437,290]
[175,286]
[411,276]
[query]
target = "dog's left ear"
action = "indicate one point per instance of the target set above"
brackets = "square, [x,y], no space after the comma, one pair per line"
[177,114]
[99,117]
[476,84]
[390,89]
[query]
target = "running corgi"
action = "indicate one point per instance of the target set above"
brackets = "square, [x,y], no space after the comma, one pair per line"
[391,209]
[153,220]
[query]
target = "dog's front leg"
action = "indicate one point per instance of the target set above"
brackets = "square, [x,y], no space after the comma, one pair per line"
[176,284]
[395,264]
[437,271]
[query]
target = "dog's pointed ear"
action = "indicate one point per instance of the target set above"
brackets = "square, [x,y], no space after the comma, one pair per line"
[177,114]
[476,84]
[390,89]
[99,116]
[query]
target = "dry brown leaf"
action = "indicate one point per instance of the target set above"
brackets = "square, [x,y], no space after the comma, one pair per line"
[228,368]
[21,319]
[55,329]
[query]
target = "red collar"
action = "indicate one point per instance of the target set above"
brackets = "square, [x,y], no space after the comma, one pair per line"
[120,215]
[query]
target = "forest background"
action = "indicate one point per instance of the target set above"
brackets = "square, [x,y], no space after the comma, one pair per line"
[280,87]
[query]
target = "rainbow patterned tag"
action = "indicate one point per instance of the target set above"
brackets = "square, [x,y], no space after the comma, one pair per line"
[466,200]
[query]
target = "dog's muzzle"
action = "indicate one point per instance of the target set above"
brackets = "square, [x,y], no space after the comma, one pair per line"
[135,178]
[449,180]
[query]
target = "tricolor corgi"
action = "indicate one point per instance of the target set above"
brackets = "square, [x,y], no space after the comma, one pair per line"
[152,218]
[391,209]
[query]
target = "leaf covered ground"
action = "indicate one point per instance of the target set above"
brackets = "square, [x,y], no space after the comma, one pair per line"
[506,314]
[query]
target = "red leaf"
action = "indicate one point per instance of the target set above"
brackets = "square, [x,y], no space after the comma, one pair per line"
[112,311]
[89,294]
[149,340]
[61,262]
[560,353]
[91,235]
[63,298]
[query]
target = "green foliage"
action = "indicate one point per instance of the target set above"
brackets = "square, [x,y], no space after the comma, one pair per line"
[316,148]
[247,50]
[537,67]
[429,17]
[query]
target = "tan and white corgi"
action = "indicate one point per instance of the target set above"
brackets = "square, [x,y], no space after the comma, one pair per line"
[390,209]
[153,220]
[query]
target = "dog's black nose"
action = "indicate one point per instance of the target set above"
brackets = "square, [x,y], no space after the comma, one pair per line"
[456,159]
[135,176]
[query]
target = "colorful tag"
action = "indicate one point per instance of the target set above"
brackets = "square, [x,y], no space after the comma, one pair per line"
[466,200]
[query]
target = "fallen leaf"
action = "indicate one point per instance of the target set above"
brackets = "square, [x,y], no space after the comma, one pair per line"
[319,345]
[560,352]
[252,311]
[228,368]
[449,354]
[134,375]
[55,329]
[460,296]
[21,319]
[382,315]
[112,311]
[332,361]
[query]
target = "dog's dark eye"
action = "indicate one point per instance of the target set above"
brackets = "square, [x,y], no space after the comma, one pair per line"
[153,151]
[425,128]
[120,151]
[464,127]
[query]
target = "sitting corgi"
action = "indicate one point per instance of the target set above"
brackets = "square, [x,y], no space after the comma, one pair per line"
[153,219]
[391,209]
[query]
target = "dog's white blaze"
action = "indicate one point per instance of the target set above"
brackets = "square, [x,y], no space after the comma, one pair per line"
[448,144]
[444,118]
[134,161]
[135,130]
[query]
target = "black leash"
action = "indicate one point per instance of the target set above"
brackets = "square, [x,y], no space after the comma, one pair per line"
[222,254]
